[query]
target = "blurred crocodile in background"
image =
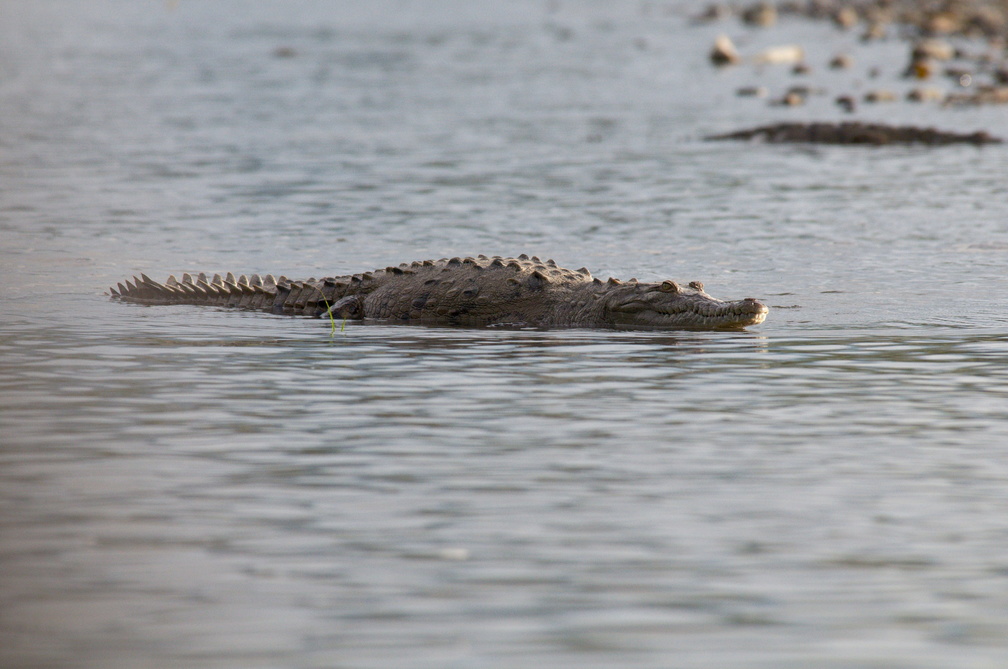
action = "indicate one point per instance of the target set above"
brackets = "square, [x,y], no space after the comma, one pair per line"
[479,291]
[854,132]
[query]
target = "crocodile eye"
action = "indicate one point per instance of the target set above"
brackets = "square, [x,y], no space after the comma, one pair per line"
[669,287]
[696,285]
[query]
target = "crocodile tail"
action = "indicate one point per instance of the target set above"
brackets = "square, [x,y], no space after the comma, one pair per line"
[245,292]
[259,293]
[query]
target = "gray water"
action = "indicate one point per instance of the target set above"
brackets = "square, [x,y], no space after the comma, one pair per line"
[195,487]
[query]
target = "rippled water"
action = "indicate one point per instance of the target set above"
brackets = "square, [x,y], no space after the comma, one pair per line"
[195,487]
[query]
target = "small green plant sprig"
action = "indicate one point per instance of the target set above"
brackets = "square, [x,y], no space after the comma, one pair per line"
[332,321]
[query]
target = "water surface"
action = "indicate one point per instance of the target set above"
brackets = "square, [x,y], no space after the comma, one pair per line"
[188,486]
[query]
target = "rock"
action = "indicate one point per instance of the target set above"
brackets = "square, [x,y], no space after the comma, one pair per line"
[780,55]
[792,98]
[876,30]
[846,102]
[714,12]
[920,68]
[926,95]
[762,14]
[943,23]
[985,95]
[969,18]
[957,72]
[935,49]
[880,95]
[987,21]
[724,52]
[846,17]
[841,62]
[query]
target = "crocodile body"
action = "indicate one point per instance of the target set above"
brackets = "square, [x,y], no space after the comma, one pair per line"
[477,291]
[853,132]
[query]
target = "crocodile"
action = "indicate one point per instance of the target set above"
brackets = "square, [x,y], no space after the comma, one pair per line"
[480,291]
[853,132]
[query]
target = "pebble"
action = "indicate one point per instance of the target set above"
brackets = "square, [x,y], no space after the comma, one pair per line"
[841,62]
[924,94]
[846,102]
[846,17]
[880,95]
[724,52]
[935,49]
[781,55]
[792,99]
[762,14]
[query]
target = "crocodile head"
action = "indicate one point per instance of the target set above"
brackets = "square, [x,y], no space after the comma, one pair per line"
[669,305]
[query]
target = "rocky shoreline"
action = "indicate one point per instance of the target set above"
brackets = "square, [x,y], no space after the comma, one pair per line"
[985,19]
[957,55]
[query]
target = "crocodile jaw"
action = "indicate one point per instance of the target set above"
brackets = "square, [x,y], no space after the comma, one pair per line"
[686,309]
